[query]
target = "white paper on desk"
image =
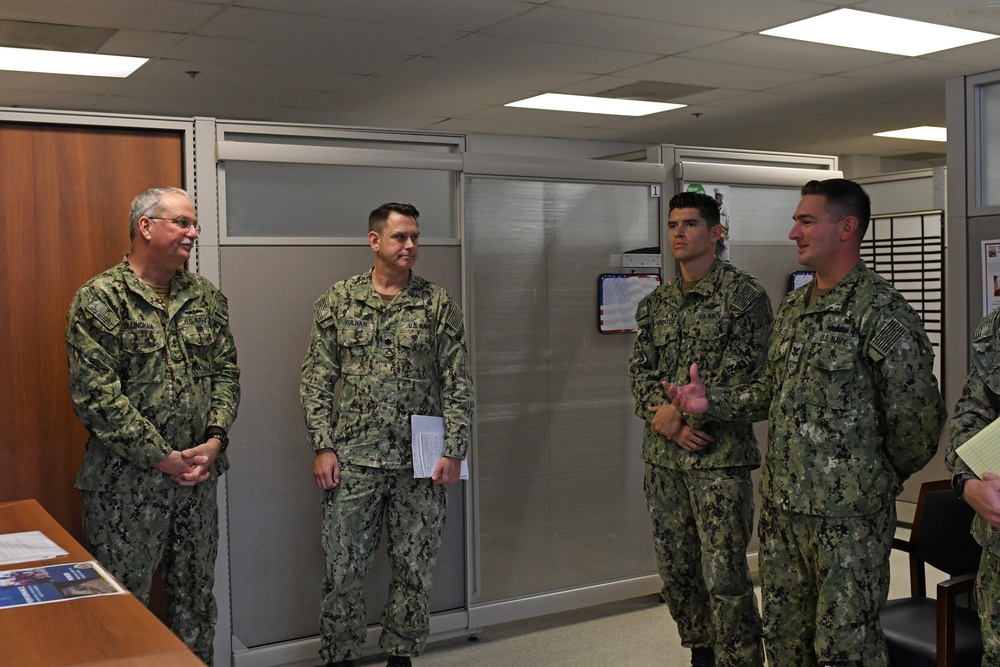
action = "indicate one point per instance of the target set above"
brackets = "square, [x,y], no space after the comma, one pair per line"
[32,545]
[428,445]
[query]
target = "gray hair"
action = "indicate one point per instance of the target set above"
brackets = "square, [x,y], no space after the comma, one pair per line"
[147,204]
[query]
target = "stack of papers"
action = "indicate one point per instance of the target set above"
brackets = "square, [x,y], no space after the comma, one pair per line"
[32,545]
[428,445]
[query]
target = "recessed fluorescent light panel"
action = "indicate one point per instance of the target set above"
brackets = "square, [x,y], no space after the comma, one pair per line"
[876,32]
[65,62]
[924,133]
[586,104]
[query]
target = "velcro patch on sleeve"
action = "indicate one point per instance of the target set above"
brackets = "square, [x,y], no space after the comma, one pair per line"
[887,336]
[744,296]
[104,315]
[455,321]
[987,327]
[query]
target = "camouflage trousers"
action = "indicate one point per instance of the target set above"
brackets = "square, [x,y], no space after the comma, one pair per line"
[988,602]
[823,582]
[413,511]
[177,529]
[702,521]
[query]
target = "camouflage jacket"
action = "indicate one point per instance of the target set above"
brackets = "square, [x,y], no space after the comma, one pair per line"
[146,379]
[722,325]
[849,391]
[392,362]
[977,408]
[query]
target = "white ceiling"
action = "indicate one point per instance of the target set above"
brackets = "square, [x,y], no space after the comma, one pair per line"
[450,65]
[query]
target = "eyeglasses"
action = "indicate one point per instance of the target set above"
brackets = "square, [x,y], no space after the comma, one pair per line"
[183,223]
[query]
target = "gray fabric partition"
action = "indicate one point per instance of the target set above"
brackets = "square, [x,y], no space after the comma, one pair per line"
[273,503]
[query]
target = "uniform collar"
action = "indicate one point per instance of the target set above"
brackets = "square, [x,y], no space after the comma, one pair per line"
[835,299]
[178,285]
[706,285]
[371,296]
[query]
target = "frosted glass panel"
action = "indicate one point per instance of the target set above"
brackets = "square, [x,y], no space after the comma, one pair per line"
[988,142]
[276,199]
[558,443]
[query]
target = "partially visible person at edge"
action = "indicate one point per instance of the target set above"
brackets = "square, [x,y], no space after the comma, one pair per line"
[396,343]
[853,410]
[697,480]
[153,378]
[979,406]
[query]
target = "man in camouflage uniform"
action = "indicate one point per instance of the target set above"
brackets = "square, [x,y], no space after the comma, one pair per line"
[853,409]
[976,409]
[697,479]
[153,377]
[396,343]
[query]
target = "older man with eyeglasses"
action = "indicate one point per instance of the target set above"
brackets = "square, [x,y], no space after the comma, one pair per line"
[153,378]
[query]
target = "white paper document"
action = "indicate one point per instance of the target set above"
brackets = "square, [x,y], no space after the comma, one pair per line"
[32,545]
[428,445]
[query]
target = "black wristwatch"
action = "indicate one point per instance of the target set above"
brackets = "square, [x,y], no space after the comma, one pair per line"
[221,437]
[958,483]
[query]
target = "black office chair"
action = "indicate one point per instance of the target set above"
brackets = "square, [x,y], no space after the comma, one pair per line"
[922,631]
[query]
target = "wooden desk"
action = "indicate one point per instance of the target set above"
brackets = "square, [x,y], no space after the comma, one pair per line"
[114,630]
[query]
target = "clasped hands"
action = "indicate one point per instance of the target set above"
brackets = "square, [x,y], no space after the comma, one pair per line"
[191,467]
[668,421]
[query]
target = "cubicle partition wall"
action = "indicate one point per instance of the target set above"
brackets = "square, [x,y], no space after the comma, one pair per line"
[554,505]
[561,517]
[294,207]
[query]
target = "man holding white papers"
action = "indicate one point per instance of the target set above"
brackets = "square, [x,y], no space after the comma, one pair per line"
[396,343]
[977,408]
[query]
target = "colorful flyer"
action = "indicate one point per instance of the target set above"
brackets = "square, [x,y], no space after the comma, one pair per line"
[55,583]
[991,276]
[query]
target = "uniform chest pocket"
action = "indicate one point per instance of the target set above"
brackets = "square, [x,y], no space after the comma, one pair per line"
[354,337]
[710,330]
[415,354]
[356,349]
[144,356]
[414,339]
[833,378]
[196,331]
[198,338]
[665,331]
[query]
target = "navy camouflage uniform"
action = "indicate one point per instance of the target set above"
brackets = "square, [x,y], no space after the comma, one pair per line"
[853,410]
[147,379]
[701,504]
[976,409]
[392,361]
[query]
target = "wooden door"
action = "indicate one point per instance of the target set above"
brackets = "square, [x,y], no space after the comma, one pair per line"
[64,202]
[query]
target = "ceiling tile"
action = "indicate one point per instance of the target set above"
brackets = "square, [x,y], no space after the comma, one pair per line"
[565,26]
[676,69]
[437,14]
[500,51]
[282,28]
